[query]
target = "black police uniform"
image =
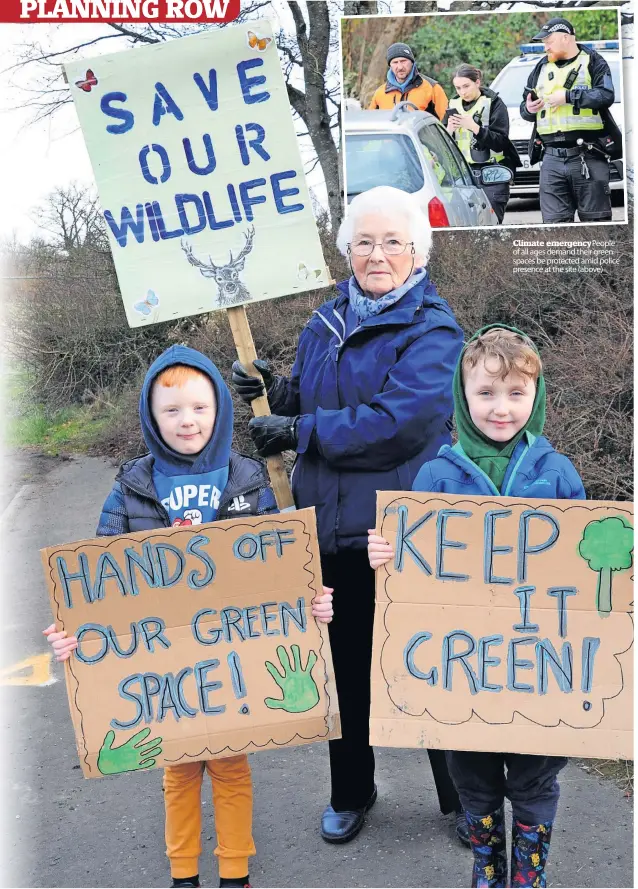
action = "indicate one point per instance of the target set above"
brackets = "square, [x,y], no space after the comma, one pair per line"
[493,136]
[576,178]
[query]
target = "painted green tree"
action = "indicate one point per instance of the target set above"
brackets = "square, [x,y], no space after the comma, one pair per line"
[607,546]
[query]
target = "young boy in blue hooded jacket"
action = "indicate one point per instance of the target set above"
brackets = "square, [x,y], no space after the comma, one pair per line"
[192,476]
[499,402]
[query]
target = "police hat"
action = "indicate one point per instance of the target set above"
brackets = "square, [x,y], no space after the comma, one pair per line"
[399,51]
[553,25]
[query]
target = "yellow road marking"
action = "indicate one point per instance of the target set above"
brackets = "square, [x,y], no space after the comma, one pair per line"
[34,670]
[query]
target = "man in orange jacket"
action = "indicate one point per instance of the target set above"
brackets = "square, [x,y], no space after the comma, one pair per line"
[404,83]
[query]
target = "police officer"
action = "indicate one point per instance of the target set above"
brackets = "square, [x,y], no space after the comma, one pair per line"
[568,95]
[477,119]
[405,83]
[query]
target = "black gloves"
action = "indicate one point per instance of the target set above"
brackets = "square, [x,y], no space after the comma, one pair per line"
[248,388]
[273,434]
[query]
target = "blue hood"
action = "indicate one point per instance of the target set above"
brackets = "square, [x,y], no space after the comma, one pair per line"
[216,454]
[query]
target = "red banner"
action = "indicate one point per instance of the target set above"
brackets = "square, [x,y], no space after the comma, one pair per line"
[173,11]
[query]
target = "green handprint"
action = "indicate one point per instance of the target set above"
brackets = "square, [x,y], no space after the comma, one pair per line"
[299,688]
[130,756]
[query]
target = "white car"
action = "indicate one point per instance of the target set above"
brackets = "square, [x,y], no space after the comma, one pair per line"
[510,82]
[410,150]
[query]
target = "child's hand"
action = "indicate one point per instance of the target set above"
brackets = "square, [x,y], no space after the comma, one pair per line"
[62,644]
[322,606]
[379,550]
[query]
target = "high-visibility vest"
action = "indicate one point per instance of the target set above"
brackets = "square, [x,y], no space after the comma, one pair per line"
[466,140]
[439,171]
[564,118]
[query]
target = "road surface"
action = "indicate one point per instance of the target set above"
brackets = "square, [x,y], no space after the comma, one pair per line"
[527,211]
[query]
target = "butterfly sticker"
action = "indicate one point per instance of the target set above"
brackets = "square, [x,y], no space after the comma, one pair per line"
[147,305]
[256,42]
[305,274]
[89,81]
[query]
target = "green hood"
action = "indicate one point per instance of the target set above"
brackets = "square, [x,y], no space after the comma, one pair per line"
[490,456]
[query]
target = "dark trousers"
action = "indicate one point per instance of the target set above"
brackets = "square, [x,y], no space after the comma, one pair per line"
[499,195]
[564,189]
[530,783]
[352,757]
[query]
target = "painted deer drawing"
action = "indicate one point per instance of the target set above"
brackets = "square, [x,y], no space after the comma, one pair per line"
[231,289]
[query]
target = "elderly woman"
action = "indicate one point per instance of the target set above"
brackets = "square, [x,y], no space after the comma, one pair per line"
[368,401]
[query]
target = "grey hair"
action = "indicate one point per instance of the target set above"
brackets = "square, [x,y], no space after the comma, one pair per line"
[386,200]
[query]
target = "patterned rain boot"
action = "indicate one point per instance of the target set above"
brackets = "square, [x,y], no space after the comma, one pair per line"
[487,837]
[530,848]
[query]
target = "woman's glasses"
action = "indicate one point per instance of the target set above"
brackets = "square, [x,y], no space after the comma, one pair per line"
[390,246]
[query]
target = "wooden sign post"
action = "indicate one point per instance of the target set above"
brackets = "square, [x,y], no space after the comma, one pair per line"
[246,353]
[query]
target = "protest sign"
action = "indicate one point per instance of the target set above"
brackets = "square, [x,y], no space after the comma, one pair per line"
[504,625]
[194,643]
[199,173]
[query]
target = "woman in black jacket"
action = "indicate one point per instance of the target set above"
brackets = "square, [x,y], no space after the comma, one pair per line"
[478,121]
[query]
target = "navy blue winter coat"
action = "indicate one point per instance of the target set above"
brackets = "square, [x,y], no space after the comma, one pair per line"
[133,504]
[535,470]
[374,405]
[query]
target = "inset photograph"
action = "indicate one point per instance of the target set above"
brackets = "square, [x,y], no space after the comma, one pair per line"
[491,118]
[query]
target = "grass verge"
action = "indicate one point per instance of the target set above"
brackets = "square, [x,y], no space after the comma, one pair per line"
[73,429]
[104,427]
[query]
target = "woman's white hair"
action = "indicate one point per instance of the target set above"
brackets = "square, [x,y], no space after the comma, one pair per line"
[388,201]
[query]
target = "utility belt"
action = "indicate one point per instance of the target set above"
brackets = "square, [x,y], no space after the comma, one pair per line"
[582,149]
[602,146]
[563,152]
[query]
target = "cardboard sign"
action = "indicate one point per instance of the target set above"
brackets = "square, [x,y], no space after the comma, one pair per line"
[504,625]
[199,173]
[194,643]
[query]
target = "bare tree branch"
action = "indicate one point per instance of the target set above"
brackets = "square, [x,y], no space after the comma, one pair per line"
[134,35]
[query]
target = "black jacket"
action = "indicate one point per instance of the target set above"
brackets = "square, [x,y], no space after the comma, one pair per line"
[133,504]
[599,97]
[495,135]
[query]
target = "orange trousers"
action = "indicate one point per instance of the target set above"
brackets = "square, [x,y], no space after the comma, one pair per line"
[233,807]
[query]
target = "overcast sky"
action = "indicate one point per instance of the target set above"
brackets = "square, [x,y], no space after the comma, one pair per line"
[35,159]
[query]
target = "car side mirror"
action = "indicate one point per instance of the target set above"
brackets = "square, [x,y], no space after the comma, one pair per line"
[494,174]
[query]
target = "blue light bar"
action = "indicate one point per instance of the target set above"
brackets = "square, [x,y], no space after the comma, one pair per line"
[531,48]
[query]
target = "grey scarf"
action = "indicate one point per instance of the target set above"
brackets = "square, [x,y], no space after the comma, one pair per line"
[364,307]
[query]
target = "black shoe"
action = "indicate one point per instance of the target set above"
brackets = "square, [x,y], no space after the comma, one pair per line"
[243,882]
[191,881]
[462,830]
[341,827]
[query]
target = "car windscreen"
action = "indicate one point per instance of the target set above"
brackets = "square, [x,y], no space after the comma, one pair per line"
[382,159]
[511,84]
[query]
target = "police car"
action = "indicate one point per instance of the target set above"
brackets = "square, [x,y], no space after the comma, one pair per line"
[510,83]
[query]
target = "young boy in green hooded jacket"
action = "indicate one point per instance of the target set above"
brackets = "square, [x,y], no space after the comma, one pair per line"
[499,401]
